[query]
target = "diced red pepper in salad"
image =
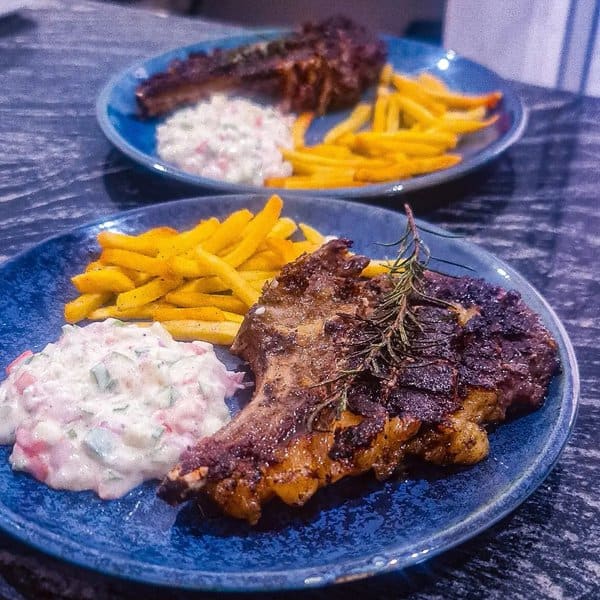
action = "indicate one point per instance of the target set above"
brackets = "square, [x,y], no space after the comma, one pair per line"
[15,363]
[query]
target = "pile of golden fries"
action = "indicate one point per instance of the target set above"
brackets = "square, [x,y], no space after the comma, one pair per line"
[412,126]
[199,283]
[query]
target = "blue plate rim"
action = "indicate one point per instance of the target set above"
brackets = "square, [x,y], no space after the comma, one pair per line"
[351,570]
[388,189]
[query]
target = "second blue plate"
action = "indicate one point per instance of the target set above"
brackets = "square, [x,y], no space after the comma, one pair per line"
[118,115]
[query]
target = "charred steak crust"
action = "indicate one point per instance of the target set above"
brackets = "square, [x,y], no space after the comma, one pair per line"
[472,364]
[323,66]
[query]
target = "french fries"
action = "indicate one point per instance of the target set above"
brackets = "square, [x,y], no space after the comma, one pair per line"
[201,282]
[82,306]
[415,123]
[359,116]
[102,280]
[144,294]
[300,126]
[215,332]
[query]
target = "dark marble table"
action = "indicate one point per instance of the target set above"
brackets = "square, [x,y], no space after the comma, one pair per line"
[537,207]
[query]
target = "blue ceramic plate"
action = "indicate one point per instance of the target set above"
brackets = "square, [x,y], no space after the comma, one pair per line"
[354,529]
[118,116]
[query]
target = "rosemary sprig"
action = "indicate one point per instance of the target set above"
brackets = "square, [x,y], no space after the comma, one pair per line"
[389,331]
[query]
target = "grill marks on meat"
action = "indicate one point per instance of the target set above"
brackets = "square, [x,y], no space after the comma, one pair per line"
[323,66]
[473,364]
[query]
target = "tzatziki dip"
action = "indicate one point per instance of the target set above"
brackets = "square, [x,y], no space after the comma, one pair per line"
[111,405]
[227,138]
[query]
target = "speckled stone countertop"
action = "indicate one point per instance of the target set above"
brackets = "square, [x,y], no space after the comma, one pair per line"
[537,207]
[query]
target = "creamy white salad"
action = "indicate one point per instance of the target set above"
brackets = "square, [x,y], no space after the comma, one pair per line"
[111,405]
[227,138]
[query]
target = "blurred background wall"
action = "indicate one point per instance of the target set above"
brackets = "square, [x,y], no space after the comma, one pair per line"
[390,16]
[554,43]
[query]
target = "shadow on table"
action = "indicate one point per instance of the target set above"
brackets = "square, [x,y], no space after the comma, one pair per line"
[15,24]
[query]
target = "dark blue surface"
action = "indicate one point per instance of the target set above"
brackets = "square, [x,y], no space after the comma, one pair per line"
[117,114]
[354,529]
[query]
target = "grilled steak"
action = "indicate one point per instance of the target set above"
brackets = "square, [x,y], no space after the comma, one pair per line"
[476,357]
[322,66]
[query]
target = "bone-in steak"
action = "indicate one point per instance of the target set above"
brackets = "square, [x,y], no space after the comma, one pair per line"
[478,356]
[323,66]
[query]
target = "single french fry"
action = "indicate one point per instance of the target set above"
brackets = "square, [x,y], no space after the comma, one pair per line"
[154,289]
[373,269]
[195,299]
[464,101]
[78,309]
[311,234]
[328,150]
[283,229]
[266,260]
[247,229]
[228,275]
[314,169]
[257,285]
[345,140]
[444,139]
[380,109]
[256,275]
[383,148]
[358,117]
[317,181]
[280,247]
[300,127]
[431,82]
[386,262]
[414,90]
[187,240]
[210,285]
[214,332]
[471,114]
[408,150]
[292,250]
[256,231]
[137,277]
[135,261]
[399,151]
[299,248]
[158,233]
[385,75]
[417,166]
[229,316]
[94,265]
[102,280]
[353,161]
[413,109]
[112,312]
[182,266]
[206,285]
[142,245]
[228,231]
[393,115]
[175,313]
[462,126]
